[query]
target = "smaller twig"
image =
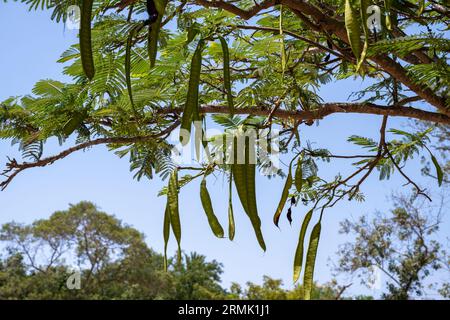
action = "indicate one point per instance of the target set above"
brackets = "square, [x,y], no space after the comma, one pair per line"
[410,181]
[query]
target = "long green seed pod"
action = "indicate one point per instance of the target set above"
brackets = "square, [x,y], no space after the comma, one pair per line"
[253,211]
[311,261]
[73,123]
[128,66]
[352,26]
[298,179]
[87,59]
[191,108]
[363,10]
[284,196]
[172,198]
[231,223]
[387,7]
[166,233]
[282,44]
[226,74]
[298,260]
[207,206]
[245,185]
[154,31]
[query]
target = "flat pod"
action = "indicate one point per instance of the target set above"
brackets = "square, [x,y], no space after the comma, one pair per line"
[284,197]
[311,260]
[191,108]
[155,29]
[207,206]
[298,260]
[231,222]
[352,26]
[244,179]
[128,65]
[226,74]
[87,59]
[172,201]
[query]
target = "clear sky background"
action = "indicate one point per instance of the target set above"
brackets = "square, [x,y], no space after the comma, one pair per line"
[31,43]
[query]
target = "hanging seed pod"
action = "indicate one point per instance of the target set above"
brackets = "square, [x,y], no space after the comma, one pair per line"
[311,261]
[207,206]
[87,59]
[352,26]
[191,108]
[298,260]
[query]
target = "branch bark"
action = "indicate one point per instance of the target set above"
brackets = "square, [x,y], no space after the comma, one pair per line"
[327,109]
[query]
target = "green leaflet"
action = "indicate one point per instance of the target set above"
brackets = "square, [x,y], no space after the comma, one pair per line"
[207,206]
[298,260]
[284,196]
[352,26]
[191,109]
[226,74]
[154,30]
[166,233]
[310,261]
[231,223]
[363,10]
[439,172]
[172,200]
[128,65]
[298,180]
[87,59]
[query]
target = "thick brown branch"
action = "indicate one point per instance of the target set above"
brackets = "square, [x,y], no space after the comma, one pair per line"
[244,14]
[327,109]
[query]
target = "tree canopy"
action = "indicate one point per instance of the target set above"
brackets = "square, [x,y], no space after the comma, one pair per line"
[143,69]
[403,246]
[113,262]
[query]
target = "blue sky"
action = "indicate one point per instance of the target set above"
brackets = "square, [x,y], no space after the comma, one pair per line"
[31,44]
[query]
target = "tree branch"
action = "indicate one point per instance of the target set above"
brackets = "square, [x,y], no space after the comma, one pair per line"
[327,109]
[244,14]
[418,189]
[292,34]
[331,25]
[15,168]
